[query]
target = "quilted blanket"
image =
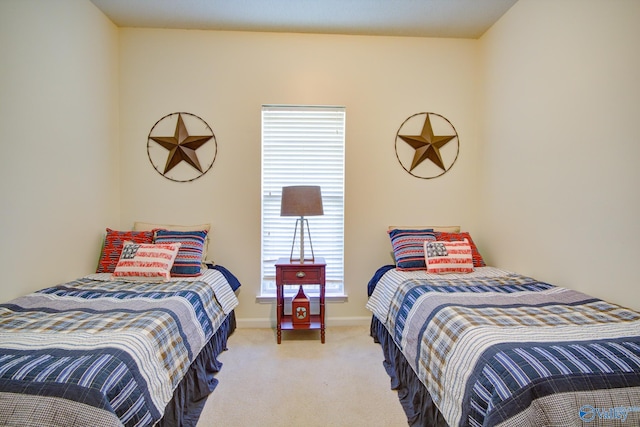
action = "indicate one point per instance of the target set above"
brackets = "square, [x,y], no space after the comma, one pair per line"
[104,353]
[498,348]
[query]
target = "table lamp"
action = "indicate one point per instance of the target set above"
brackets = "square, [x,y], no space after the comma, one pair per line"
[301,201]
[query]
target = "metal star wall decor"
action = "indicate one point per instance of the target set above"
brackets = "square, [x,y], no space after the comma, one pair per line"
[412,148]
[187,154]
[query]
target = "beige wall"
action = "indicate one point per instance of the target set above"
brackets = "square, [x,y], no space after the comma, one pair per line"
[225,77]
[545,105]
[561,144]
[59,179]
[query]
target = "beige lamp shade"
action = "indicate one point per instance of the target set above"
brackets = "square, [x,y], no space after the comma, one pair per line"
[301,200]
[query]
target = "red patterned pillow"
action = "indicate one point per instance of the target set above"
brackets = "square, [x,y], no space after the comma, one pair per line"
[113,243]
[448,257]
[453,237]
[149,262]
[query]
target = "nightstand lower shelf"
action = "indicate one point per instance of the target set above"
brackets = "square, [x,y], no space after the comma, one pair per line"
[286,323]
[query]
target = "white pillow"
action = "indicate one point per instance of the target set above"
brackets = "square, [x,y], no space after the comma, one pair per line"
[146,226]
[440,228]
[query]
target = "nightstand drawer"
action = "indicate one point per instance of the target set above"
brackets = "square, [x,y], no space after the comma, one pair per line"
[301,275]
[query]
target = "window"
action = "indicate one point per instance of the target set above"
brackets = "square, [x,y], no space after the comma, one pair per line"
[303,145]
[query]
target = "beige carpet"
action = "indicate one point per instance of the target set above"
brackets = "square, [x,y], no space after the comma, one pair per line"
[302,382]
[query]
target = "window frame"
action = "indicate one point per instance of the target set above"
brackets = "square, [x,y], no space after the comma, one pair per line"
[322,140]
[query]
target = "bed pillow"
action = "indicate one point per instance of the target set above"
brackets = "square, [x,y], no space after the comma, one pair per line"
[144,261]
[445,228]
[448,257]
[408,247]
[451,237]
[144,226]
[113,244]
[188,262]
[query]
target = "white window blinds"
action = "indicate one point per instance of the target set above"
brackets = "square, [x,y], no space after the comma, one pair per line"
[303,145]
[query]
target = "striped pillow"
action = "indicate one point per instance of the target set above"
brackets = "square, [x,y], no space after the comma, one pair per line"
[408,249]
[448,257]
[144,226]
[148,262]
[113,243]
[188,261]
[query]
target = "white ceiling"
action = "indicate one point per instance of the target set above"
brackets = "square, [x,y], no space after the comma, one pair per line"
[417,18]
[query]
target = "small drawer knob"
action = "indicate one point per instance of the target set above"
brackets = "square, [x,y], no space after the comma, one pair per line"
[300,274]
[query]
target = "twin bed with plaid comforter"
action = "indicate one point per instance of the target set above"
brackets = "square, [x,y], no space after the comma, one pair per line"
[497,348]
[104,353]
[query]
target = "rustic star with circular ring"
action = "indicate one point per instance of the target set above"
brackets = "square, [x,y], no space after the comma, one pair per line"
[427,145]
[182,146]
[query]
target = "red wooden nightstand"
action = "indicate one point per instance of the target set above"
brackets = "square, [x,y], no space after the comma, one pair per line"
[296,273]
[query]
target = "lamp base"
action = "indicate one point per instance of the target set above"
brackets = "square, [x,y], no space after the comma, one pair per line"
[302,220]
[302,261]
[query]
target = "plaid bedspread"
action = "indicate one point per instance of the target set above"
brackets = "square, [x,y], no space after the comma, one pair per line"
[497,348]
[103,353]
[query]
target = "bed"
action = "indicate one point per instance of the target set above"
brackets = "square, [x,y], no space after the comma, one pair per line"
[109,350]
[487,347]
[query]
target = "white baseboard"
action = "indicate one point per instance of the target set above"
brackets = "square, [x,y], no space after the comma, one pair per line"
[255,323]
[349,321]
[261,323]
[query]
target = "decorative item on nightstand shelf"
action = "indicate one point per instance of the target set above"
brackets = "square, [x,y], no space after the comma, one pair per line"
[301,200]
[300,309]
